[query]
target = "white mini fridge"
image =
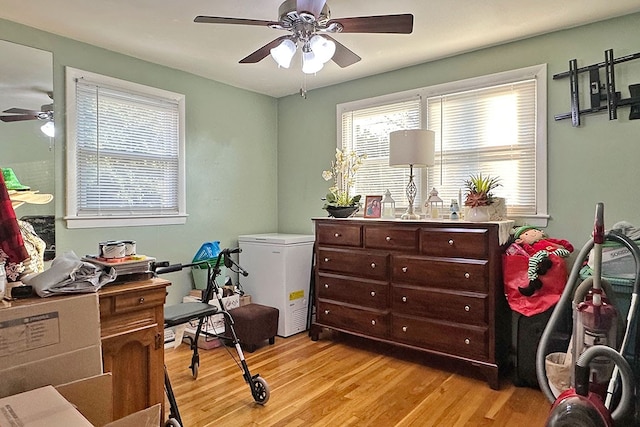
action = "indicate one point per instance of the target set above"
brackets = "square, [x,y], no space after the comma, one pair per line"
[279,267]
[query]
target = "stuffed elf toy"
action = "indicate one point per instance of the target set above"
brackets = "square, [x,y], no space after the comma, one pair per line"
[539,247]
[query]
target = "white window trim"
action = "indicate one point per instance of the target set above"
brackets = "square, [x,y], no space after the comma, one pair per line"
[74,221]
[539,72]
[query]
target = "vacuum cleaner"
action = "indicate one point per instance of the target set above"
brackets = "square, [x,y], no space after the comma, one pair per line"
[603,391]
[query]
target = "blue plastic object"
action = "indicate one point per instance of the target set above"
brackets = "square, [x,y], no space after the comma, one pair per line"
[209,251]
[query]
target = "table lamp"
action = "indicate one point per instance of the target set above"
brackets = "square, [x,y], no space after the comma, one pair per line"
[409,148]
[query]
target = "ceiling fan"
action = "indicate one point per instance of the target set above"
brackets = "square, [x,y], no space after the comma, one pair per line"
[20,114]
[310,24]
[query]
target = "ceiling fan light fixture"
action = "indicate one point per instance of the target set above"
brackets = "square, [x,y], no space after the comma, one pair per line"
[323,48]
[310,63]
[48,129]
[283,53]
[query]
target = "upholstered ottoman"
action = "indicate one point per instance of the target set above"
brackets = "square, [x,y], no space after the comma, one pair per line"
[254,323]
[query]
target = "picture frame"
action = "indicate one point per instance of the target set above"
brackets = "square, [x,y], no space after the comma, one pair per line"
[373,207]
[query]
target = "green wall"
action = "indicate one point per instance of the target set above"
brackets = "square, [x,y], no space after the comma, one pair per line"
[596,162]
[236,138]
[231,144]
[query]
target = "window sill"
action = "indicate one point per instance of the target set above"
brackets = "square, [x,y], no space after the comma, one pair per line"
[124,221]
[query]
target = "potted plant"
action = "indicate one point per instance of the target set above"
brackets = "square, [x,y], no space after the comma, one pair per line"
[480,195]
[338,202]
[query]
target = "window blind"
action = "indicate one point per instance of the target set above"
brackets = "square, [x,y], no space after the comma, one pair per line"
[367,131]
[490,131]
[127,152]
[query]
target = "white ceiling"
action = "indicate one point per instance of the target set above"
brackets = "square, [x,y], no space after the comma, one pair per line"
[163,32]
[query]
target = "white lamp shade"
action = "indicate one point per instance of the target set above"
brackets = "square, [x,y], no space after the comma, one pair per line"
[412,147]
[48,129]
[323,48]
[311,64]
[283,53]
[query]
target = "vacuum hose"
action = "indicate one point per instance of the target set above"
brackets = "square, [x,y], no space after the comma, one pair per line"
[566,299]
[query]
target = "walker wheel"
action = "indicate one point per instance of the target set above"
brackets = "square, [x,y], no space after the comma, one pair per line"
[172,422]
[194,369]
[260,390]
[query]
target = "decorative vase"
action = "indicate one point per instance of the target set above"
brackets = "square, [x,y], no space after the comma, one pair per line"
[478,214]
[341,211]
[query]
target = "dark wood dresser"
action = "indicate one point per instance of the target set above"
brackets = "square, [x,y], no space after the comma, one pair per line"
[425,285]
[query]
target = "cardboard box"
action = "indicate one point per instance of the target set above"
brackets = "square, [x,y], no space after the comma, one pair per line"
[49,341]
[245,300]
[83,403]
[42,407]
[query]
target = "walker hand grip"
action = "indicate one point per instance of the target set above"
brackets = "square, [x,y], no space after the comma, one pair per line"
[169,269]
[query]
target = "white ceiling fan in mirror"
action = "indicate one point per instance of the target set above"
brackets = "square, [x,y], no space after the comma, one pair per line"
[26,84]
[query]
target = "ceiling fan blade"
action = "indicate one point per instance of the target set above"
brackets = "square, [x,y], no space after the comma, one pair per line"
[18,118]
[399,24]
[263,52]
[21,111]
[311,6]
[222,20]
[343,56]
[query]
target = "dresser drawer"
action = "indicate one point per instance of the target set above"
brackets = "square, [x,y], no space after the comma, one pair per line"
[391,238]
[455,242]
[365,293]
[373,265]
[368,322]
[468,308]
[138,300]
[339,234]
[445,337]
[456,274]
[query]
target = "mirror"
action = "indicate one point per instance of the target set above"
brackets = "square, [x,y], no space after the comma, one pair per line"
[26,82]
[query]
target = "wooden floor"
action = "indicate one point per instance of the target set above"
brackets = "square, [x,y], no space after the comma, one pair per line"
[344,381]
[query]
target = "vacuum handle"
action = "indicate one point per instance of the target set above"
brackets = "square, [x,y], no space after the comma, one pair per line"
[598,228]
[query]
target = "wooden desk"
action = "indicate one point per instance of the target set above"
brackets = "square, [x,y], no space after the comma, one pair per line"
[132,334]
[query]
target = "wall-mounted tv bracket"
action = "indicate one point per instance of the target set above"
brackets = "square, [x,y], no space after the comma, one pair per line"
[600,92]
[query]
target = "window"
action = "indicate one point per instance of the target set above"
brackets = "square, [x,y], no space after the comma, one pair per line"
[494,125]
[125,157]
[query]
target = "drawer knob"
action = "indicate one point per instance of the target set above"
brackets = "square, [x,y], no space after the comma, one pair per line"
[404,269]
[326,260]
[388,239]
[467,275]
[326,312]
[373,265]
[373,322]
[404,329]
[467,341]
[141,300]
[326,286]
[373,293]
[404,299]
[467,308]
[337,235]
[450,242]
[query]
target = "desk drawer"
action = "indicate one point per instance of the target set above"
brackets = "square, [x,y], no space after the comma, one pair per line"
[138,300]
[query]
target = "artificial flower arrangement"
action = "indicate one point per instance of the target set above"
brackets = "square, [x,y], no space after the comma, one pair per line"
[343,172]
[479,190]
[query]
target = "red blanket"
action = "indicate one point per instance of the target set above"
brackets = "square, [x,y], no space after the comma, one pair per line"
[514,270]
